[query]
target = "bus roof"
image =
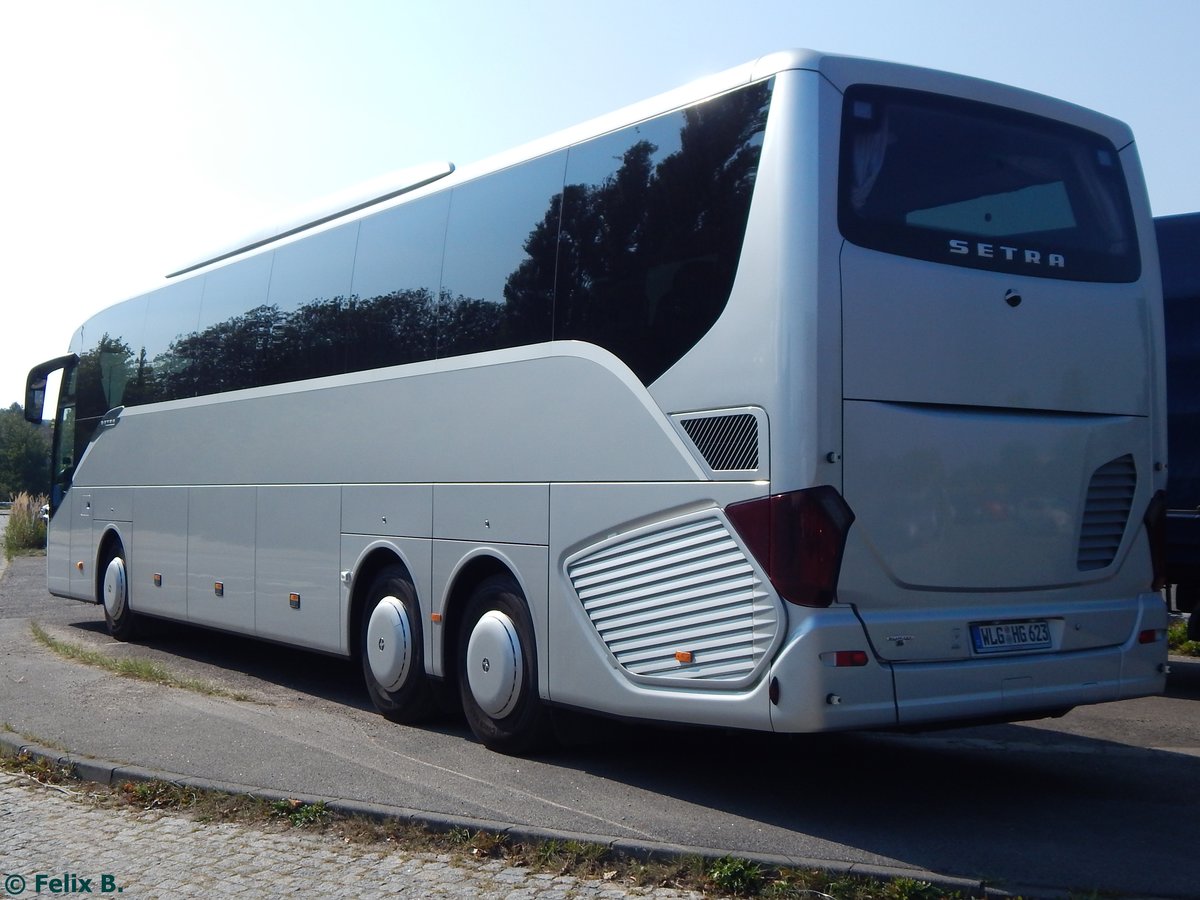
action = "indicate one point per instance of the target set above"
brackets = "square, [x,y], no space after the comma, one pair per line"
[839,70]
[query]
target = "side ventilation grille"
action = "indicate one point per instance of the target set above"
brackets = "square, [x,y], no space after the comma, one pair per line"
[728,443]
[678,601]
[1106,513]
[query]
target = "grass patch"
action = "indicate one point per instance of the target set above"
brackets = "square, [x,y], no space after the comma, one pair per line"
[159,795]
[301,814]
[39,768]
[203,806]
[130,667]
[1177,639]
[731,875]
[560,856]
[26,530]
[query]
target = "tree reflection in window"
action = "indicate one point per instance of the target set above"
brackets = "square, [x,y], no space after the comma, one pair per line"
[636,253]
[652,228]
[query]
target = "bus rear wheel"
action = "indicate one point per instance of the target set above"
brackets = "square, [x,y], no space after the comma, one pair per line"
[393,653]
[497,669]
[120,620]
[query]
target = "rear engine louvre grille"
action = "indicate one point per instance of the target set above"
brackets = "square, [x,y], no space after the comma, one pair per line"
[679,602]
[727,443]
[1106,513]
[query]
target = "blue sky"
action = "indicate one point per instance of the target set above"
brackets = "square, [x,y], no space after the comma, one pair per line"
[139,134]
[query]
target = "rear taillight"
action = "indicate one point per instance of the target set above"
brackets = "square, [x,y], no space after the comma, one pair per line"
[798,538]
[1156,529]
[845,659]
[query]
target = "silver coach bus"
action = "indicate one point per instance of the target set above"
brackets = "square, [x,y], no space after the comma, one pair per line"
[823,394]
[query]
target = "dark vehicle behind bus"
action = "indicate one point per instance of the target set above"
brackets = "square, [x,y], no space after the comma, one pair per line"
[1179,255]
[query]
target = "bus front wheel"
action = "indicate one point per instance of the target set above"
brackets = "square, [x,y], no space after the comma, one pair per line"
[497,669]
[120,620]
[393,653]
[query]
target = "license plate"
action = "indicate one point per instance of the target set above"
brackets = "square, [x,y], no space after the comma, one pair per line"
[1005,637]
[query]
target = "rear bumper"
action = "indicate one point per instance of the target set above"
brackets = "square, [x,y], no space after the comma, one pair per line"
[1019,686]
[814,696]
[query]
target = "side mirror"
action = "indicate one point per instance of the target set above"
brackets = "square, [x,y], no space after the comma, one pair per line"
[35,386]
[35,400]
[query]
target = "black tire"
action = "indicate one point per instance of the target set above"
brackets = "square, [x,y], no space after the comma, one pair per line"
[112,592]
[392,649]
[1193,626]
[502,706]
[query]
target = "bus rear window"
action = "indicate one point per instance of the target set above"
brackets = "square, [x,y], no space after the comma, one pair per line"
[970,184]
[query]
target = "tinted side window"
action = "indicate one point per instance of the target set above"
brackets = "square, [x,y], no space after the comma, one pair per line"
[653,222]
[111,358]
[171,315]
[389,319]
[970,184]
[226,352]
[498,277]
[310,286]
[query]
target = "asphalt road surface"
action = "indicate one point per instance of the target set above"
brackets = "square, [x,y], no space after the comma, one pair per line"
[1104,799]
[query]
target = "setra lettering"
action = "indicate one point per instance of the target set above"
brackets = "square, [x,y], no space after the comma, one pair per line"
[985,250]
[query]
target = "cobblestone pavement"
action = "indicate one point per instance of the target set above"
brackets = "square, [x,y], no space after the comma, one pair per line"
[47,833]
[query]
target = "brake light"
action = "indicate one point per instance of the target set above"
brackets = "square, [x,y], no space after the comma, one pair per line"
[843,659]
[1156,529]
[798,538]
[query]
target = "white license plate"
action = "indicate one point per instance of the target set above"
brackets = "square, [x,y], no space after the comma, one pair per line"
[1005,637]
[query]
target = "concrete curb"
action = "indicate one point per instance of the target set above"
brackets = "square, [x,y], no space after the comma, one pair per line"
[112,774]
